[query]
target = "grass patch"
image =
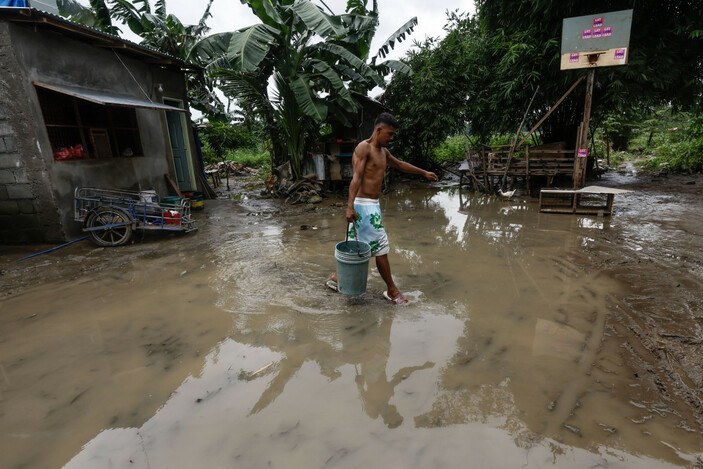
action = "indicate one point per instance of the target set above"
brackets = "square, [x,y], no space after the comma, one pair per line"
[252,157]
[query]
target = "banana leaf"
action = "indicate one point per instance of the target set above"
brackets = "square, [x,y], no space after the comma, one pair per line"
[249,46]
[398,36]
[316,20]
[308,101]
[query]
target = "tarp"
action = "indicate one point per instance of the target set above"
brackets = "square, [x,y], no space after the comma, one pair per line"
[13,3]
[104,97]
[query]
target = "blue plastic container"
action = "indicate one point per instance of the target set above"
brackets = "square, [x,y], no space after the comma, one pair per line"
[352,266]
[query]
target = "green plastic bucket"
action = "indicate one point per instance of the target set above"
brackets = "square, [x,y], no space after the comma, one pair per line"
[352,266]
[171,201]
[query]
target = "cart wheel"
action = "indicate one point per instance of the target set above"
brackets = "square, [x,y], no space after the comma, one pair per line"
[115,236]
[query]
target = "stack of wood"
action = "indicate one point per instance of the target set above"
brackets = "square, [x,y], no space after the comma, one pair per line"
[231,167]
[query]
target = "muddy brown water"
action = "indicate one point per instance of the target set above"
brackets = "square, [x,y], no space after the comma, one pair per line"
[532,340]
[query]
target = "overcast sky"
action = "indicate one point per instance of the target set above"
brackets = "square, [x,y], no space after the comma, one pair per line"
[230,15]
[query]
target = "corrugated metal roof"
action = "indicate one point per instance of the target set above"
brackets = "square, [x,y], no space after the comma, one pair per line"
[34,15]
[101,97]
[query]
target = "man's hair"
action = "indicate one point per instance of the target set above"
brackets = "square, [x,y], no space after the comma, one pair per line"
[387,119]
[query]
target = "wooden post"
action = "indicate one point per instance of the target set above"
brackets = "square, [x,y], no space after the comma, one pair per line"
[527,167]
[582,143]
[485,168]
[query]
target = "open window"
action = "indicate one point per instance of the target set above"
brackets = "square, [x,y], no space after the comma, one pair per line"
[84,124]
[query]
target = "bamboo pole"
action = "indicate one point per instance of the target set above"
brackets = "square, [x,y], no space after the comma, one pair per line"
[551,110]
[517,135]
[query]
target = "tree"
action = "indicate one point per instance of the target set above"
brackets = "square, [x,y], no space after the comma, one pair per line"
[311,58]
[431,103]
[523,50]
[158,30]
[221,136]
[96,16]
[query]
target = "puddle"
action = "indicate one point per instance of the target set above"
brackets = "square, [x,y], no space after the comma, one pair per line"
[224,348]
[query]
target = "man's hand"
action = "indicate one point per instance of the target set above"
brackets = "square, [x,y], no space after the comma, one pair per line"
[431,176]
[351,214]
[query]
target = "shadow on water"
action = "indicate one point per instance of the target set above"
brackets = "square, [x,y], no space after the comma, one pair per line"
[503,358]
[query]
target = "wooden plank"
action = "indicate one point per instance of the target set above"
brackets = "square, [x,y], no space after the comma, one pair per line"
[173,184]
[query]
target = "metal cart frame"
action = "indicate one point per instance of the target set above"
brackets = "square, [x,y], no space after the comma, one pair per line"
[112,216]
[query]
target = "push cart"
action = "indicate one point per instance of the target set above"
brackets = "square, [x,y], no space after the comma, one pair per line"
[111,217]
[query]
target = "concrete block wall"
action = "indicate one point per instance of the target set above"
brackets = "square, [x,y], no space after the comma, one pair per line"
[27,212]
[19,217]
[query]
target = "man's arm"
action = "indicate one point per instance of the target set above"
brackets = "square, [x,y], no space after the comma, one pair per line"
[408,168]
[359,159]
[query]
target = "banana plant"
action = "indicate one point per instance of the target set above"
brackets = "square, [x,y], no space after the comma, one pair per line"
[310,57]
[97,15]
[158,30]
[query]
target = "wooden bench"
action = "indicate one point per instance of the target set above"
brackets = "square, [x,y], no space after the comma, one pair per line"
[591,200]
[215,175]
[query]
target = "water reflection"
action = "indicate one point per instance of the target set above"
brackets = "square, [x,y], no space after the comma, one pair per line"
[504,359]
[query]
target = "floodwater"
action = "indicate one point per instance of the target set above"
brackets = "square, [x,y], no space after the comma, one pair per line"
[223,348]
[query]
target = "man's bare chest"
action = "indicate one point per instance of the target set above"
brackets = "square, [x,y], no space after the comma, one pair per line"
[377,160]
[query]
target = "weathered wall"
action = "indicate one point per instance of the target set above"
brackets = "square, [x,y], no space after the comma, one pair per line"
[27,209]
[49,57]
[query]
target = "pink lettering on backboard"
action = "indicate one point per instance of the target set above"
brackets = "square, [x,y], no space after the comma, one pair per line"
[583,153]
[607,31]
[598,22]
[620,54]
[587,34]
[598,32]
[574,57]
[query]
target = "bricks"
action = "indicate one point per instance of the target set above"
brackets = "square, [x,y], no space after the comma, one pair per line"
[21,176]
[5,129]
[7,176]
[9,207]
[10,160]
[20,191]
[7,145]
[26,206]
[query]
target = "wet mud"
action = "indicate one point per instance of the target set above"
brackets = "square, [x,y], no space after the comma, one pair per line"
[532,340]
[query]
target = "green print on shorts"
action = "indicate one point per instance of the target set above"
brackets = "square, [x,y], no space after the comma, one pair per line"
[376,221]
[352,232]
[374,245]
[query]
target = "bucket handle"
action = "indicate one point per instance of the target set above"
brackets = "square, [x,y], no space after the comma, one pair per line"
[358,251]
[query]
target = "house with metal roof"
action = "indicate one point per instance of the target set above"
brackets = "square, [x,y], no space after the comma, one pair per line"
[79,107]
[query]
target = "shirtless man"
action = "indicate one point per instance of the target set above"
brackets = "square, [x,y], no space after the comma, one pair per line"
[370,159]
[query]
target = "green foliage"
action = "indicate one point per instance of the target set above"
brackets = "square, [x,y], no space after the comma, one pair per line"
[221,138]
[159,31]
[451,150]
[254,157]
[683,156]
[97,15]
[311,57]
[664,65]
[660,140]
[512,46]
[431,103]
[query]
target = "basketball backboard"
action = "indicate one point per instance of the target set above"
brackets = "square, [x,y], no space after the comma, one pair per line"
[597,40]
